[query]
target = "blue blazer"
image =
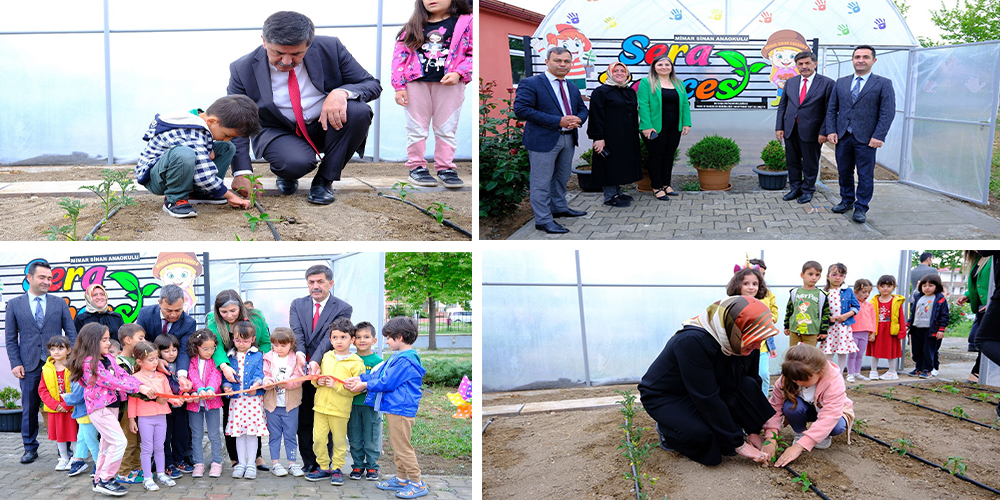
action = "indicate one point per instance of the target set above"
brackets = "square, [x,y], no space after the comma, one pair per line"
[870,116]
[848,302]
[252,373]
[25,341]
[536,103]
[149,320]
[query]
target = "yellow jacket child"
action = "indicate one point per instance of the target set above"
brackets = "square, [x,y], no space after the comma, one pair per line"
[336,401]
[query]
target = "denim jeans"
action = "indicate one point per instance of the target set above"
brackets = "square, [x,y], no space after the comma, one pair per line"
[198,420]
[805,413]
[283,423]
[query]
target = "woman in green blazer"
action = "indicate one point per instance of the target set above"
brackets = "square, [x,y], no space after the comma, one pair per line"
[977,293]
[664,116]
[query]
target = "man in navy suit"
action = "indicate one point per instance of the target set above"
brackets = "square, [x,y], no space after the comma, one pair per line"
[858,117]
[329,115]
[801,124]
[553,111]
[168,316]
[32,319]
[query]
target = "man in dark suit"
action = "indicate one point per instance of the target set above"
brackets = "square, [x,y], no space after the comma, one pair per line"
[800,123]
[553,111]
[168,316]
[310,318]
[32,319]
[858,117]
[311,96]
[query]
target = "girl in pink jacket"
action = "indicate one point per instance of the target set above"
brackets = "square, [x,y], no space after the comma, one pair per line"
[431,64]
[810,389]
[206,380]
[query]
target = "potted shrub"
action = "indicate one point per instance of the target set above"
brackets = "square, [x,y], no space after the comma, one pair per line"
[714,157]
[10,410]
[583,173]
[773,174]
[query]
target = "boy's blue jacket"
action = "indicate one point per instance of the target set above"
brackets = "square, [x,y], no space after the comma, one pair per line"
[252,374]
[939,312]
[849,302]
[394,386]
[76,400]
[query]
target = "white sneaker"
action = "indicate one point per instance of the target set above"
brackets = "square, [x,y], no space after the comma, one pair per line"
[890,376]
[850,378]
[860,377]
[150,485]
[824,444]
[798,436]
[62,464]
[278,470]
[238,471]
[873,375]
[934,373]
[295,470]
[250,472]
[165,479]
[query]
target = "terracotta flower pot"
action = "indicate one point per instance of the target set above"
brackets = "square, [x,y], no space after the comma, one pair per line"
[645,185]
[713,180]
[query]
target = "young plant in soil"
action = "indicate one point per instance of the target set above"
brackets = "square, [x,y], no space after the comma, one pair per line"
[635,452]
[915,399]
[780,444]
[901,446]
[254,220]
[126,186]
[959,412]
[951,389]
[982,396]
[402,189]
[437,209]
[105,191]
[889,392]
[806,483]
[860,425]
[956,465]
[72,208]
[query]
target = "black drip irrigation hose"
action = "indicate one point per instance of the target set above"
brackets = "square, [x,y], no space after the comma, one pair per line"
[932,464]
[812,487]
[274,232]
[931,409]
[942,392]
[424,210]
[100,224]
[488,422]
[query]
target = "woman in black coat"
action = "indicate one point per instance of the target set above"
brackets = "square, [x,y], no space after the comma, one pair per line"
[703,390]
[98,311]
[614,127]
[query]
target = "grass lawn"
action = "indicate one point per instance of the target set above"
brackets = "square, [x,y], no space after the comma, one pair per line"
[959,330]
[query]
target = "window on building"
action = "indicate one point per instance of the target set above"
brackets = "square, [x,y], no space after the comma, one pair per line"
[517,71]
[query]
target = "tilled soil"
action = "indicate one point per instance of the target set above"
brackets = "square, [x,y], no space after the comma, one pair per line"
[578,452]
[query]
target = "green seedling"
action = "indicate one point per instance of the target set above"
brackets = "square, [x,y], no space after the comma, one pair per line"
[889,392]
[402,188]
[72,208]
[981,396]
[255,190]
[635,451]
[255,220]
[105,191]
[780,445]
[951,389]
[804,481]
[915,399]
[126,186]
[958,412]
[241,239]
[901,446]
[860,425]
[956,465]
[437,210]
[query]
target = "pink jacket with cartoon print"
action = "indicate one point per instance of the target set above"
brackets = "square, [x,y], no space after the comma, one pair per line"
[406,65]
[99,391]
[213,379]
[831,404]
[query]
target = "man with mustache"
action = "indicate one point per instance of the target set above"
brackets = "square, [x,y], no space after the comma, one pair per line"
[312,96]
[310,318]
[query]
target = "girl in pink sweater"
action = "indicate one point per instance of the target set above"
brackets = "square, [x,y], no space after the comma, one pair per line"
[148,417]
[810,389]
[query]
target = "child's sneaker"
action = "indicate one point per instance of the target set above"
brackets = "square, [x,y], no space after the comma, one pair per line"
[420,177]
[165,479]
[319,475]
[180,209]
[450,178]
[890,376]
[134,477]
[336,477]
[93,470]
[295,470]
[860,377]
[413,490]
[184,468]
[914,373]
[873,375]
[392,484]
[150,485]
[174,472]
[238,471]
[202,197]
[850,377]
[278,470]
[798,436]
[215,470]
[371,475]
[356,473]
[77,467]
[198,470]
[824,444]
[62,464]
[110,488]
[925,374]
[934,372]
[251,472]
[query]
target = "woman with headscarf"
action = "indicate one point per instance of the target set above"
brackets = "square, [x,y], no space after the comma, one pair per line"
[98,311]
[703,390]
[614,128]
[229,308]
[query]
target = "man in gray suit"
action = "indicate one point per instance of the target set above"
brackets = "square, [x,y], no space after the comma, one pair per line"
[801,124]
[31,320]
[310,318]
[858,117]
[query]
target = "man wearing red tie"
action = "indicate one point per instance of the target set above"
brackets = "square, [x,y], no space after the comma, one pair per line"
[310,318]
[312,96]
[801,124]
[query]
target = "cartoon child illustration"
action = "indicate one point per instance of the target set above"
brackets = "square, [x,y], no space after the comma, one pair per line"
[803,319]
[780,49]
[577,44]
[181,269]
[433,53]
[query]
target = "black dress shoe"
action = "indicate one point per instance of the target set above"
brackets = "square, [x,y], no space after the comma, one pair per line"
[263,468]
[287,186]
[551,228]
[842,207]
[29,456]
[570,213]
[321,195]
[791,195]
[806,198]
[859,216]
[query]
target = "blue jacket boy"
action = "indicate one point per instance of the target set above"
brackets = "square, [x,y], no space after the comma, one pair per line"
[394,386]
[939,312]
[253,373]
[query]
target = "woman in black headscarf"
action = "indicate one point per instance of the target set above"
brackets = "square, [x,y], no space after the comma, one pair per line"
[98,311]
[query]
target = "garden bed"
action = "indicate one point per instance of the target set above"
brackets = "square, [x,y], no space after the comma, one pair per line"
[578,453]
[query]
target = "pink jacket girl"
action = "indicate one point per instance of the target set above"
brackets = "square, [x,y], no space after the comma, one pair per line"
[212,378]
[293,391]
[406,65]
[100,391]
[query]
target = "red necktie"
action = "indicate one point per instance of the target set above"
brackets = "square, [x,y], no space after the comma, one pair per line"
[802,93]
[562,88]
[316,317]
[166,326]
[296,98]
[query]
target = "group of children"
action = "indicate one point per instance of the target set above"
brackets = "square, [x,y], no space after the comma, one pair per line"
[130,407]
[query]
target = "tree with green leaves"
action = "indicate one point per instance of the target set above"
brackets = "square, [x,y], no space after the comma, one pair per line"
[429,278]
[973,21]
[949,259]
